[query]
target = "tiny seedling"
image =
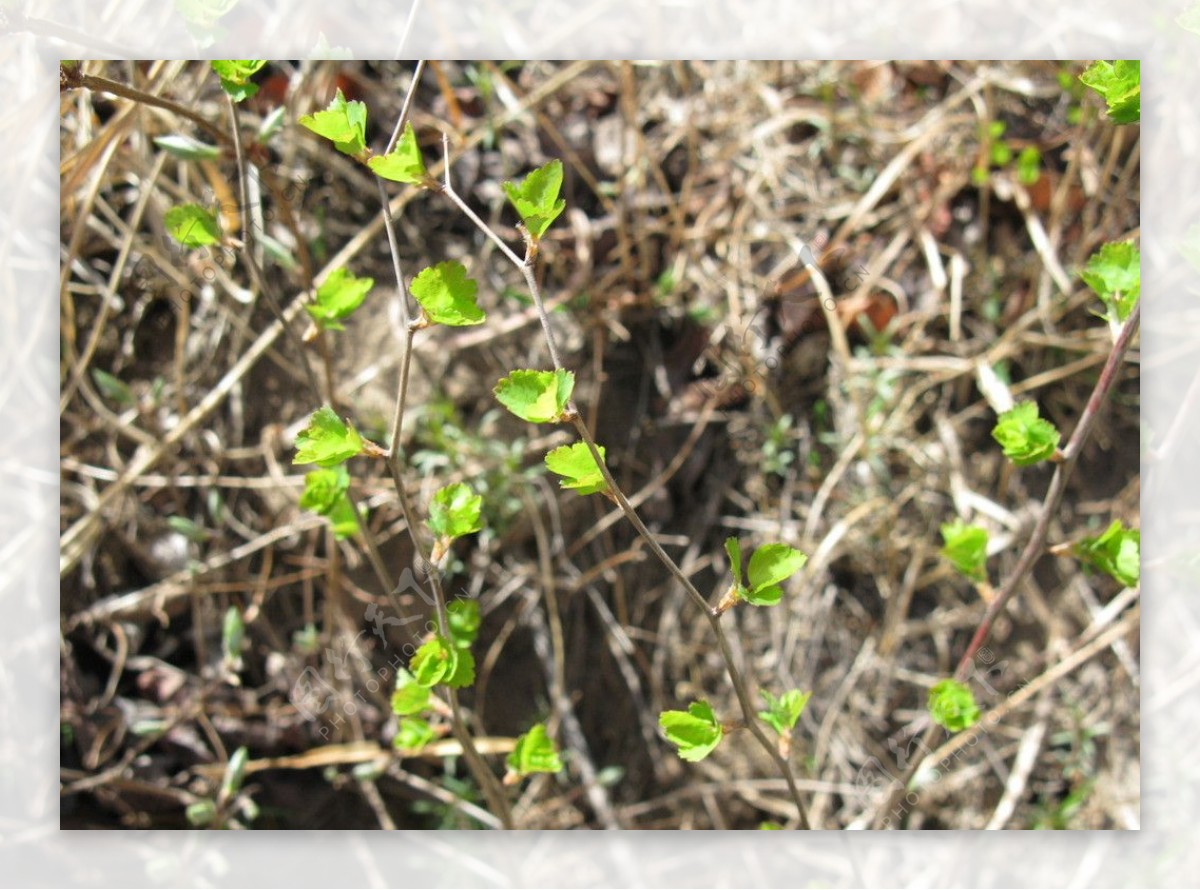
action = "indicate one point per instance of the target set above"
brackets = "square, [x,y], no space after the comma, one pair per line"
[1117,552]
[1115,273]
[536,198]
[966,548]
[770,565]
[952,705]
[534,752]
[235,76]
[1026,438]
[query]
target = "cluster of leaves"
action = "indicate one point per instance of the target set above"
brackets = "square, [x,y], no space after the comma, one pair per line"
[1117,552]
[1025,437]
[1000,156]
[1114,272]
[1120,83]
[952,705]
[966,548]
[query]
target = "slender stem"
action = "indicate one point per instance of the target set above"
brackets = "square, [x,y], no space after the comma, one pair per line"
[572,413]
[103,84]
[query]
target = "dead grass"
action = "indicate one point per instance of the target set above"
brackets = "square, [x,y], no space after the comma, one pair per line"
[705,365]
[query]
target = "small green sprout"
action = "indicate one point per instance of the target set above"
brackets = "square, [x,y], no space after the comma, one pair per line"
[534,753]
[1026,438]
[464,621]
[447,295]
[192,226]
[1117,552]
[536,396]
[343,123]
[327,441]
[235,76]
[952,705]
[410,697]
[536,198]
[1115,273]
[966,547]
[1120,83]
[770,565]
[578,468]
[441,661]
[696,732]
[454,511]
[339,295]
[403,163]
[326,493]
[413,734]
[783,712]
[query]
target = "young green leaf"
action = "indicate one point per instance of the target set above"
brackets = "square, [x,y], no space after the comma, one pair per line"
[447,295]
[1118,552]
[464,620]
[1115,273]
[413,734]
[338,296]
[783,712]
[577,467]
[696,731]
[410,696]
[326,441]
[343,123]
[192,226]
[113,388]
[455,511]
[534,753]
[233,637]
[323,489]
[186,148]
[1120,83]
[343,518]
[536,197]
[235,76]
[1025,437]
[440,661]
[966,547]
[769,826]
[536,396]
[770,565]
[952,705]
[201,813]
[235,772]
[1029,165]
[734,549]
[403,163]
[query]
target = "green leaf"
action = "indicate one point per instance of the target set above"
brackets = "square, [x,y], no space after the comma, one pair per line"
[413,734]
[338,296]
[235,772]
[536,396]
[578,468]
[1025,437]
[534,753]
[464,620]
[1029,165]
[343,518]
[783,712]
[233,635]
[410,696]
[695,732]
[734,549]
[1120,83]
[772,564]
[455,511]
[343,123]
[1118,552]
[403,163]
[1115,273]
[192,226]
[326,441]
[536,197]
[447,295]
[440,661]
[201,813]
[769,826]
[235,76]
[966,547]
[323,489]
[952,705]
[271,124]
[186,148]
[113,388]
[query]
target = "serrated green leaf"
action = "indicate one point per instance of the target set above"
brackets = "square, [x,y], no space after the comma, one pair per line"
[410,697]
[783,712]
[186,148]
[343,123]
[455,511]
[464,620]
[695,732]
[1120,83]
[447,295]
[413,734]
[534,753]
[966,547]
[339,295]
[772,564]
[326,441]
[536,197]
[536,396]
[578,468]
[952,705]
[404,162]
[1026,438]
[192,226]
[235,76]
[1117,552]
[440,661]
[1115,273]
